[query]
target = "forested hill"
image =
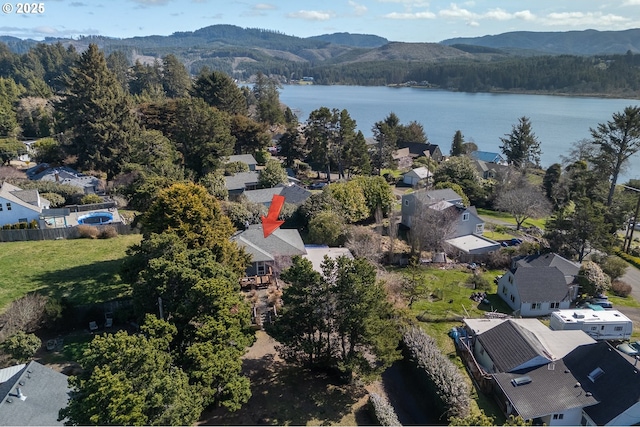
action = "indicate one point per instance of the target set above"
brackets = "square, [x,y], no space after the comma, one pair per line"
[588,42]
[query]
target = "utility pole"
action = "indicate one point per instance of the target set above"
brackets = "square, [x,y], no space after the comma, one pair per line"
[628,235]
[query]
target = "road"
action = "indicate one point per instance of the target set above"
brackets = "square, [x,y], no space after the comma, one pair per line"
[632,277]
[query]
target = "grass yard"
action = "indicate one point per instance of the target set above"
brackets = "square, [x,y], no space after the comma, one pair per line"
[82,270]
[503,216]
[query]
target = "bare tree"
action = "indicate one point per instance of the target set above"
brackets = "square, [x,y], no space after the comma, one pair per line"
[25,314]
[392,232]
[365,243]
[431,226]
[523,201]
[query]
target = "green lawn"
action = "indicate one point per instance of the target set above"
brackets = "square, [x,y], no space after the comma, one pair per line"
[82,270]
[503,216]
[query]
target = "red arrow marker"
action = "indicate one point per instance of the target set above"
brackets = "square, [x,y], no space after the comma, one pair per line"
[270,222]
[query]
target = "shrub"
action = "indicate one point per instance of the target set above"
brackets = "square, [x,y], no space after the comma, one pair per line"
[383,411]
[327,228]
[621,288]
[480,282]
[21,346]
[233,168]
[108,232]
[55,199]
[33,224]
[500,259]
[261,157]
[90,199]
[88,232]
[443,377]
[592,279]
[27,314]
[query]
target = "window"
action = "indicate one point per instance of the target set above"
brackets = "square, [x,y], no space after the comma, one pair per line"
[617,328]
[511,279]
[593,328]
[406,202]
[23,220]
[595,374]
[554,305]
[504,290]
[0,207]
[260,270]
[465,216]
[513,299]
[535,306]
[8,206]
[558,416]
[479,228]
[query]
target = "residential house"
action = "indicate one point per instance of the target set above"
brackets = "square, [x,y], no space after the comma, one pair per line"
[417,175]
[32,395]
[293,194]
[537,285]
[594,384]
[472,247]
[247,159]
[402,158]
[65,175]
[317,253]
[17,205]
[513,345]
[488,157]
[419,149]
[240,182]
[488,170]
[267,252]
[468,222]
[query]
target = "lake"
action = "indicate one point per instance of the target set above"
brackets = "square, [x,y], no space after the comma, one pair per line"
[484,118]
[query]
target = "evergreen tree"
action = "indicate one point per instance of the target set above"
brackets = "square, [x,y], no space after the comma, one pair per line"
[457,148]
[175,77]
[9,93]
[356,156]
[118,64]
[97,112]
[267,97]
[384,132]
[521,147]
[272,174]
[250,135]
[220,91]
[292,146]
[618,139]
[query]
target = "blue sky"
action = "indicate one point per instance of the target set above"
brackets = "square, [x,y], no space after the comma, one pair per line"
[397,20]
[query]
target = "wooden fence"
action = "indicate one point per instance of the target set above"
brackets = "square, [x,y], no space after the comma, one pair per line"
[57,233]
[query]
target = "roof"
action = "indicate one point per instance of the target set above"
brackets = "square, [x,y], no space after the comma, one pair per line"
[247,159]
[240,180]
[473,242]
[420,173]
[588,315]
[568,268]
[282,242]
[487,156]
[552,390]
[63,175]
[293,194]
[416,149]
[541,284]
[557,343]
[45,390]
[316,254]
[17,195]
[509,346]
[435,196]
[617,389]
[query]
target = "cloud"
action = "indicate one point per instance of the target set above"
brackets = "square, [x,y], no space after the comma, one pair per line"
[77,4]
[525,15]
[264,6]
[151,2]
[581,19]
[631,3]
[45,31]
[358,9]
[456,12]
[311,15]
[410,15]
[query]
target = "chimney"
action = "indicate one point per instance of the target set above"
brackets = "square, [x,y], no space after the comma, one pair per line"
[19,394]
[57,177]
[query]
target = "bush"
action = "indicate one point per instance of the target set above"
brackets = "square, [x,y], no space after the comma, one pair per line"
[327,228]
[592,279]
[500,259]
[55,199]
[383,411]
[261,157]
[108,232]
[88,232]
[621,288]
[21,346]
[27,314]
[612,265]
[480,282]
[90,199]
[444,378]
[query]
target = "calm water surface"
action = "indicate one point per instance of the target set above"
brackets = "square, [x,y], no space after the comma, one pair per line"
[484,118]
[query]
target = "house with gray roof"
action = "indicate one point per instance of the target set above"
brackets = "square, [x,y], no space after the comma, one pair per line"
[266,252]
[418,199]
[293,194]
[416,175]
[536,291]
[488,170]
[33,396]
[567,267]
[247,159]
[240,182]
[18,205]
[593,385]
[65,175]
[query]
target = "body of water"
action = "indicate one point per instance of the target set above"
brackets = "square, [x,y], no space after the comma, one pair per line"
[483,118]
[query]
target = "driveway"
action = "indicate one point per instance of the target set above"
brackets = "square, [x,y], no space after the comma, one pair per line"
[632,277]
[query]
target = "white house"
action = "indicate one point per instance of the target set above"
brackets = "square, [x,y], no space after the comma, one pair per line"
[18,205]
[414,176]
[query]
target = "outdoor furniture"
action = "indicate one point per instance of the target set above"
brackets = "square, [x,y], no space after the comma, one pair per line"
[93,326]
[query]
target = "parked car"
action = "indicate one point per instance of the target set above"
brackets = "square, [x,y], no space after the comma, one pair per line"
[317,186]
[627,349]
[604,303]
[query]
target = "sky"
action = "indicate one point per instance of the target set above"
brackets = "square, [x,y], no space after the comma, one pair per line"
[396,20]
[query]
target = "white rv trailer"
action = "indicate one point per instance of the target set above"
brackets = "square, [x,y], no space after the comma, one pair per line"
[599,325]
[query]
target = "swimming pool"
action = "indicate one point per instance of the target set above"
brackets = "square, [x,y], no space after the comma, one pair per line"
[96,218]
